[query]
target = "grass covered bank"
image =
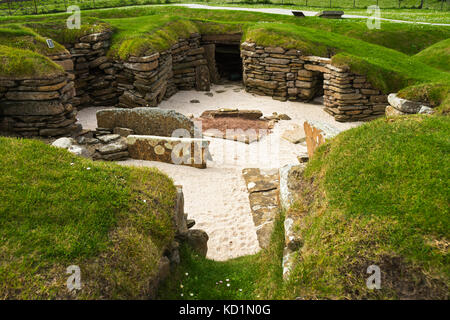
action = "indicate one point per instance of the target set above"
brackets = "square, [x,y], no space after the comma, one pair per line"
[57,210]
[377,194]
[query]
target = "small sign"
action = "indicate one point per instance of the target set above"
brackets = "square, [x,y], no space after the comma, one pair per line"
[50,43]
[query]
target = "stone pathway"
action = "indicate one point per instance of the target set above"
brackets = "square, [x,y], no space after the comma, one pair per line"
[263,188]
[289,13]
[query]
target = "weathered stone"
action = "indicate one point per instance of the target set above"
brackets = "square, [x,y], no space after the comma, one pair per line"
[111,156]
[123,132]
[426,110]
[190,223]
[295,135]
[46,132]
[181,151]
[262,83]
[34,95]
[112,148]
[180,217]
[66,64]
[313,67]
[403,104]
[202,81]
[198,241]
[276,61]
[257,180]
[95,37]
[224,112]
[148,66]
[31,108]
[63,143]
[78,150]
[392,112]
[146,121]
[107,138]
[316,134]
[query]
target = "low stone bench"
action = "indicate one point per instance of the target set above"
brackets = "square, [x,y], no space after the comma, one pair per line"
[183,151]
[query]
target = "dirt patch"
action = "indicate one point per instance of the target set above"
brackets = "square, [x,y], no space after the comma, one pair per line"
[406,280]
[232,123]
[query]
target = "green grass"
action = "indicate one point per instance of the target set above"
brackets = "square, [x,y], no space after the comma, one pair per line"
[437,55]
[381,197]
[431,12]
[436,94]
[58,210]
[144,35]
[16,63]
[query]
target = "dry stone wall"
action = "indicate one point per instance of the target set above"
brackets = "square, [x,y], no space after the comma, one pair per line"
[286,74]
[95,80]
[38,107]
[146,81]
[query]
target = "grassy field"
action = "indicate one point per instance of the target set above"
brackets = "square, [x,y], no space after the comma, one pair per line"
[57,210]
[437,55]
[431,11]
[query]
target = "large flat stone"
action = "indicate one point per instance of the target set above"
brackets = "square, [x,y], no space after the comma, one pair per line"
[295,135]
[404,105]
[145,121]
[182,151]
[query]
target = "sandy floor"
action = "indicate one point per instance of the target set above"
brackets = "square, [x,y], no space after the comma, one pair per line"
[216,197]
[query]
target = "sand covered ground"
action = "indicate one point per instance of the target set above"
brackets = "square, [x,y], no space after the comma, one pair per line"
[216,197]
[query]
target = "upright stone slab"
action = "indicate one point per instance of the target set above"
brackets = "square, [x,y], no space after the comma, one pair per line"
[210,55]
[316,134]
[146,121]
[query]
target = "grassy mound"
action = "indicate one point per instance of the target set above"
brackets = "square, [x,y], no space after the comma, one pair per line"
[437,55]
[19,63]
[380,197]
[58,210]
[387,69]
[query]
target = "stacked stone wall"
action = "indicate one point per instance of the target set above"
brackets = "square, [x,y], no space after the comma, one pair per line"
[38,106]
[286,74]
[146,81]
[95,80]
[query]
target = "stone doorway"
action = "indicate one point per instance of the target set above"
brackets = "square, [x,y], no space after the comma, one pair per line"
[229,62]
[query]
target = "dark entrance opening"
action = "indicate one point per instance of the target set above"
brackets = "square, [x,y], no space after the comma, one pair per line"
[229,62]
[318,88]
